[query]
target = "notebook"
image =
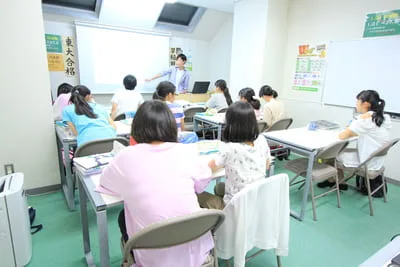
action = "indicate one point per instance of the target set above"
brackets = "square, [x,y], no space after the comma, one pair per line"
[324,125]
[200,87]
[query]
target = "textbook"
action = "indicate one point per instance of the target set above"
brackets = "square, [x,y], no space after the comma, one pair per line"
[94,163]
[208,147]
[323,125]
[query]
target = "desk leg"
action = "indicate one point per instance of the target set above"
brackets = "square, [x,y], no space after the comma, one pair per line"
[307,186]
[219,132]
[102,228]
[61,164]
[85,225]
[68,187]
[195,125]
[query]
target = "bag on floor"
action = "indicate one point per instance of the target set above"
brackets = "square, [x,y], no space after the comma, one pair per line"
[32,215]
[375,183]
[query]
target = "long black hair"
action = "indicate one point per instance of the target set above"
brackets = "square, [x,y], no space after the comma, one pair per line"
[249,94]
[82,107]
[64,88]
[221,84]
[241,123]
[377,105]
[268,91]
[154,121]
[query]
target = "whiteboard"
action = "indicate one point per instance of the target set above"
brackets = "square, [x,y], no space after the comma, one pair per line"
[353,66]
[107,55]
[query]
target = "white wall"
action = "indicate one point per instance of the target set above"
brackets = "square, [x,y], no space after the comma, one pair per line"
[27,134]
[220,53]
[321,21]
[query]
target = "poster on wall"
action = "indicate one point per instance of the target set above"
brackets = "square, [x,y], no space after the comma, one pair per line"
[310,66]
[174,52]
[61,54]
[382,23]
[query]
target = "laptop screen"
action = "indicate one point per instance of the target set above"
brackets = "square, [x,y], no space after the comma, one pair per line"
[200,87]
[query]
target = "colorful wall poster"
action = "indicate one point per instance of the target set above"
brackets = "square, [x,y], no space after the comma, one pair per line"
[310,66]
[61,54]
[53,43]
[55,62]
[382,23]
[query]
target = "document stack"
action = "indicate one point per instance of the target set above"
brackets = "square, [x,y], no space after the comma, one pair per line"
[93,164]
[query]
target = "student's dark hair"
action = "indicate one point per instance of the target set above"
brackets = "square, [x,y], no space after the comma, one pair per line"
[221,84]
[154,121]
[64,88]
[130,82]
[268,91]
[248,94]
[181,56]
[240,123]
[377,105]
[163,89]
[82,107]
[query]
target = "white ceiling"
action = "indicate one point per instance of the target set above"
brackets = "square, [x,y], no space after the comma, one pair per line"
[221,5]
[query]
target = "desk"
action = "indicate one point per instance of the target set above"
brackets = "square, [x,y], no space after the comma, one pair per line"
[100,203]
[217,121]
[307,143]
[193,98]
[65,141]
[384,255]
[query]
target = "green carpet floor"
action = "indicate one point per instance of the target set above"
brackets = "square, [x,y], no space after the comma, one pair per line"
[340,238]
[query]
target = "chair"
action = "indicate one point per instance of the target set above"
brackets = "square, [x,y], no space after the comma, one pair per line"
[320,171]
[257,216]
[189,114]
[173,232]
[120,117]
[222,110]
[362,170]
[277,150]
[99,146]
[262,125]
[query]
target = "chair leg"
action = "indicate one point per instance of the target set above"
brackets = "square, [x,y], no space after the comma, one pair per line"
[371,211]
[227,264]
[338,192]
[384,188]
[278,260]
[313,201]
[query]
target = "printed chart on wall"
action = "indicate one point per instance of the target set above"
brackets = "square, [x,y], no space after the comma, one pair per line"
[61,54]
[382,24]
[310,67]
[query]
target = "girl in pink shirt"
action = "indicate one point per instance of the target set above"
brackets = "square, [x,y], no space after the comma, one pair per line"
[158,179]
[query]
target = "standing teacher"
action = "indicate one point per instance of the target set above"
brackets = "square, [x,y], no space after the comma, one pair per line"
[178,75]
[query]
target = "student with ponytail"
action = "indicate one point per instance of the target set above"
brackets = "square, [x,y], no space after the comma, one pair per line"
[274,109]
[221,98]
[87,120]
[248,95]
[372,128]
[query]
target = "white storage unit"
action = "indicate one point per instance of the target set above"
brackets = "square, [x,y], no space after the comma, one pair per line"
[15,235]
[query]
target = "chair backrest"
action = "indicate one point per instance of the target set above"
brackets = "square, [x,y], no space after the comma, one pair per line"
[175,231]
[262,125]
[99,146]
[258,216]
[382,151]
[120,117]
[222,110]
[191,111]
[332,151]
[282,124]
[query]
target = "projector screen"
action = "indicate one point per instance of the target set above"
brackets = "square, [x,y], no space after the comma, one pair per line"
[354,66]
[106,56]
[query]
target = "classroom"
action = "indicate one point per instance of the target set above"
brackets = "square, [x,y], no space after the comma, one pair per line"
[221,47]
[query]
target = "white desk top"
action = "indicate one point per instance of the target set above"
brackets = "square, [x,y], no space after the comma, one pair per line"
[218,118]
[304,138]
[384,256]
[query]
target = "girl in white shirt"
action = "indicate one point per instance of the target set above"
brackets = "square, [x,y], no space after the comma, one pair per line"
[372,128]
[274,109]
[245,155]
[221,98]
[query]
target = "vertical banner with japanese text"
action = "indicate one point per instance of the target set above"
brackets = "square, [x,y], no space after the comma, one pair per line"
[61,54]
[310,67]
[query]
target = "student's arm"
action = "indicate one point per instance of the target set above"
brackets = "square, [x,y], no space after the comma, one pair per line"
[114,110]
[213,166]
[346,134]
[112,123]
[111,179]
[153,78]
[267,115]
[210,102]
[182,124]
[72,128]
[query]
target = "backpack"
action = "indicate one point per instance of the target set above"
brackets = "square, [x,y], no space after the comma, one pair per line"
[32,215]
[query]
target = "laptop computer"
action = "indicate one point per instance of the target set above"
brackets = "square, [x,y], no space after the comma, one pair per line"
[200,87]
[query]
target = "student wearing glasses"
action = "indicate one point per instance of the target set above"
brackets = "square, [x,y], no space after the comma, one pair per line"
[156,187]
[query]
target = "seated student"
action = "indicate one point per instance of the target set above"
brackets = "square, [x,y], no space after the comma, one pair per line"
[165,91]
[127,100]
[221,98]
[372,128]
[155,186]
[248,95]
[245,155]
[87,120]
[274,109]
[63,96]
